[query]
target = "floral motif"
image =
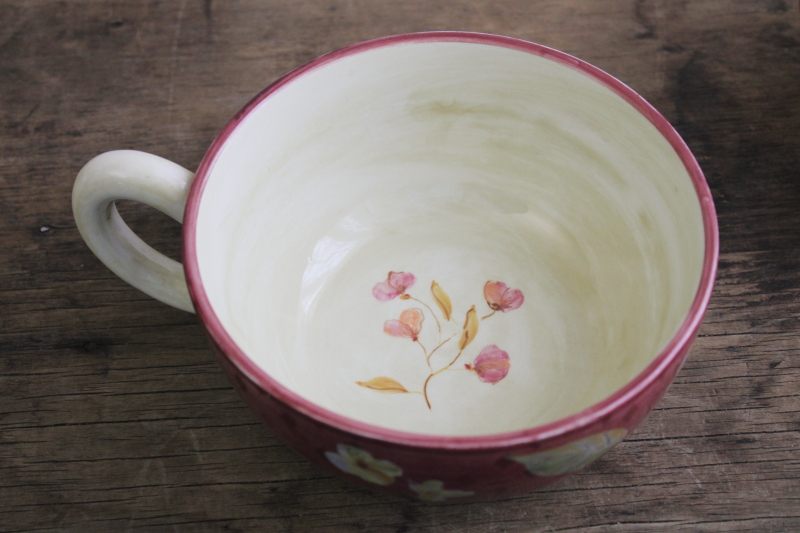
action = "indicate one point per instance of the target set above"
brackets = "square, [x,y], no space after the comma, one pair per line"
[409,325]
[396,283]
[434,491]
[572,456]
[361,463]
[500,298]
[470,330]
[384,385]
[491,365]
[442,300]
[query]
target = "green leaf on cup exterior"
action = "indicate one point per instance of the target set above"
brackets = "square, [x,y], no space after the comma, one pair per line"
[433,491]
[470,329]
[360,463]
[442,300]
[501,298]
[570,457]
[396,284]
[491,365]
[384,385]
[409,325]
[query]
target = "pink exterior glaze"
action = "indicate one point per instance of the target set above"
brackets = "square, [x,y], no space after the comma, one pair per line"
[478,463]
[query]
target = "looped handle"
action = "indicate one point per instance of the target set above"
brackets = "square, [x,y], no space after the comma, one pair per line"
[142,177]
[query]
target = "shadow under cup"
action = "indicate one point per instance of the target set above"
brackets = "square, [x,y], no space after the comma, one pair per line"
[459,163]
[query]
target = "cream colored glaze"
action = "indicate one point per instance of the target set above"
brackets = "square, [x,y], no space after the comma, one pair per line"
[146,178]
[460,163]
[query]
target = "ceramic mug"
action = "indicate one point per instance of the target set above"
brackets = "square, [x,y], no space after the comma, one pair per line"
[448,265]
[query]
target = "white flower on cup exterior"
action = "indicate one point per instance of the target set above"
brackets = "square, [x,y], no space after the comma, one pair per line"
[361,463]
[434,491]
[572,456]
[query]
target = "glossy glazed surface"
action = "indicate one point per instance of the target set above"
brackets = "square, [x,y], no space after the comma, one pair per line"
[460,163]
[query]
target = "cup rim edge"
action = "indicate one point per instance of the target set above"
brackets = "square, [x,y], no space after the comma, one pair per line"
[574,423]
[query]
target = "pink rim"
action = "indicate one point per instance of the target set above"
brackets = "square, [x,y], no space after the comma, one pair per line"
[589,415]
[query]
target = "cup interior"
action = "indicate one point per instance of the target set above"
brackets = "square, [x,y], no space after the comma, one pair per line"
[463,164]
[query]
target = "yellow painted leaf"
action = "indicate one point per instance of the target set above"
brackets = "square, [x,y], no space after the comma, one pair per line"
[470,329]
[442,300]
[384,385]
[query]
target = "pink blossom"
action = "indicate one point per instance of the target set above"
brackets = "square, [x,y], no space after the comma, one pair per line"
[409,325]
[396,284]
[501,298]
[491,365]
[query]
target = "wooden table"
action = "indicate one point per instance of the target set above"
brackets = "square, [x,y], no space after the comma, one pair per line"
[114,415]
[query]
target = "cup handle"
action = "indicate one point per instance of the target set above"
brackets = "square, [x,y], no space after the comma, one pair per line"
[142,177]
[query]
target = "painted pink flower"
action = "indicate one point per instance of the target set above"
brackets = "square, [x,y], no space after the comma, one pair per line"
[396,284]
[491,365]
[501,298]
[409,325]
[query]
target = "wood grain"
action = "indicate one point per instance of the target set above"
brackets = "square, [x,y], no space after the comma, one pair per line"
[113,413]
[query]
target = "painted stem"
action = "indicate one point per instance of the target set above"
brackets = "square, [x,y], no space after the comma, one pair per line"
[425,387]
[440,345]
[423,347]
[425,392]
[487,316]
[451,363]
[427,355]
